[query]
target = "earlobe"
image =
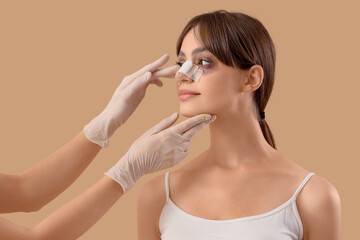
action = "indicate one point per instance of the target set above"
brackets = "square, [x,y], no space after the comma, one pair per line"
[255,77]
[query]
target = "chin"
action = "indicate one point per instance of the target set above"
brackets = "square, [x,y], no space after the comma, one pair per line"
[191,111]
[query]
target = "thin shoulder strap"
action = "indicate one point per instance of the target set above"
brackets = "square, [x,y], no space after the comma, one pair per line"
[167,185]
[307,178]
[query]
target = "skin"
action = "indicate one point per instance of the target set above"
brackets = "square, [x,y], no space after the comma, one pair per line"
[33,189]
[238,154]
[37,186]
[76,217]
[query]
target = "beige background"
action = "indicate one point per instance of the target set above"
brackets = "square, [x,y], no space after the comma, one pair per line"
[60,62]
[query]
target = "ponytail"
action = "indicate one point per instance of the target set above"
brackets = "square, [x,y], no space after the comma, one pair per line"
[267,133]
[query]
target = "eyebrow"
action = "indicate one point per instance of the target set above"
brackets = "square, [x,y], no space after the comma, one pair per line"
[194,52]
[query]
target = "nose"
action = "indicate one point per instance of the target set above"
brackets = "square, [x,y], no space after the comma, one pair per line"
[181,77]
[191,71]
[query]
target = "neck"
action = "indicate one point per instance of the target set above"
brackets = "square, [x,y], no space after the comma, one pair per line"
[236,141]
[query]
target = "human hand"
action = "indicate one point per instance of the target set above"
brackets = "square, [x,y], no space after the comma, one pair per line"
[158,148]
[126,99]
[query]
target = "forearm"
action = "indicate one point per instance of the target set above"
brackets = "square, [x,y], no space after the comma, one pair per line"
[12,231]
[40,184]
[71,220]
[81,213]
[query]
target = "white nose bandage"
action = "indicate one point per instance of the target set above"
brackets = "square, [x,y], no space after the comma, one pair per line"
[191,70]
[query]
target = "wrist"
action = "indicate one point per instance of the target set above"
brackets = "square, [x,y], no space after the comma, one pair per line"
[114,186]
[123,173]
[100,129]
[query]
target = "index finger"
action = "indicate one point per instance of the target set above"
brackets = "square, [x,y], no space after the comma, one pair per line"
[168,72]
[151,67]
[191,122]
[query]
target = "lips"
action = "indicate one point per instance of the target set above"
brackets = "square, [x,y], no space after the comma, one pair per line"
[185,94]
[188,92]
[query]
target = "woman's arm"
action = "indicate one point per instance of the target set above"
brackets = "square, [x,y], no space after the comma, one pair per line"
[37,186]
[71,220]
[151,201]
[320,210]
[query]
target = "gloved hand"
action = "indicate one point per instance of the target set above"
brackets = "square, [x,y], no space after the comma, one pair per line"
[125,100]
[158,148]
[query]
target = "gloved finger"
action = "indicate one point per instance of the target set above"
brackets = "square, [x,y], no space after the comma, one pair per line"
[148,68]
[184,146]
[140,83]
[190,123]
[163,124]
[151,67]
[180,157]
[177,136]
[157,81]
[193,131]
[168,72]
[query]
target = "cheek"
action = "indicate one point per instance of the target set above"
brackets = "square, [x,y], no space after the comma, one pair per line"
[216,96]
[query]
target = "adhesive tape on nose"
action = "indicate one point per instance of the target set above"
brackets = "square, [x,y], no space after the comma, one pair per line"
[191,70]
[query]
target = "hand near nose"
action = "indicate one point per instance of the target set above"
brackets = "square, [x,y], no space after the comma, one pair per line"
[158,148]
[126,99]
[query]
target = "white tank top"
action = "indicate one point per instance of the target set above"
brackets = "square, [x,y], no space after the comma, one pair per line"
[281,223]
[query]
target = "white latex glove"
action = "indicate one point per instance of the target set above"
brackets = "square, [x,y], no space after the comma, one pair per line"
[125,100]
[158,148]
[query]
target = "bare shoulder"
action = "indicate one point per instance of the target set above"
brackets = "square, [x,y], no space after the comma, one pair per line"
[320,209]
[318,193]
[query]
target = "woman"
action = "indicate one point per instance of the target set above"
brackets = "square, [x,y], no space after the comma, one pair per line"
[241,187]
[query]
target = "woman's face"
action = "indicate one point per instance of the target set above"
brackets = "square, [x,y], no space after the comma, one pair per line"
[219,88]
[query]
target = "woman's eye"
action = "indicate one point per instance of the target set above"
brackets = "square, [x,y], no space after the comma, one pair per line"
[203,62]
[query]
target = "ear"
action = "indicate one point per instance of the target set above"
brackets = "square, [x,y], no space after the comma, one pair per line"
[254,78]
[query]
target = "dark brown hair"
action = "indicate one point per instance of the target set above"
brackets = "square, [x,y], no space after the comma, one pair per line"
[239,41]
